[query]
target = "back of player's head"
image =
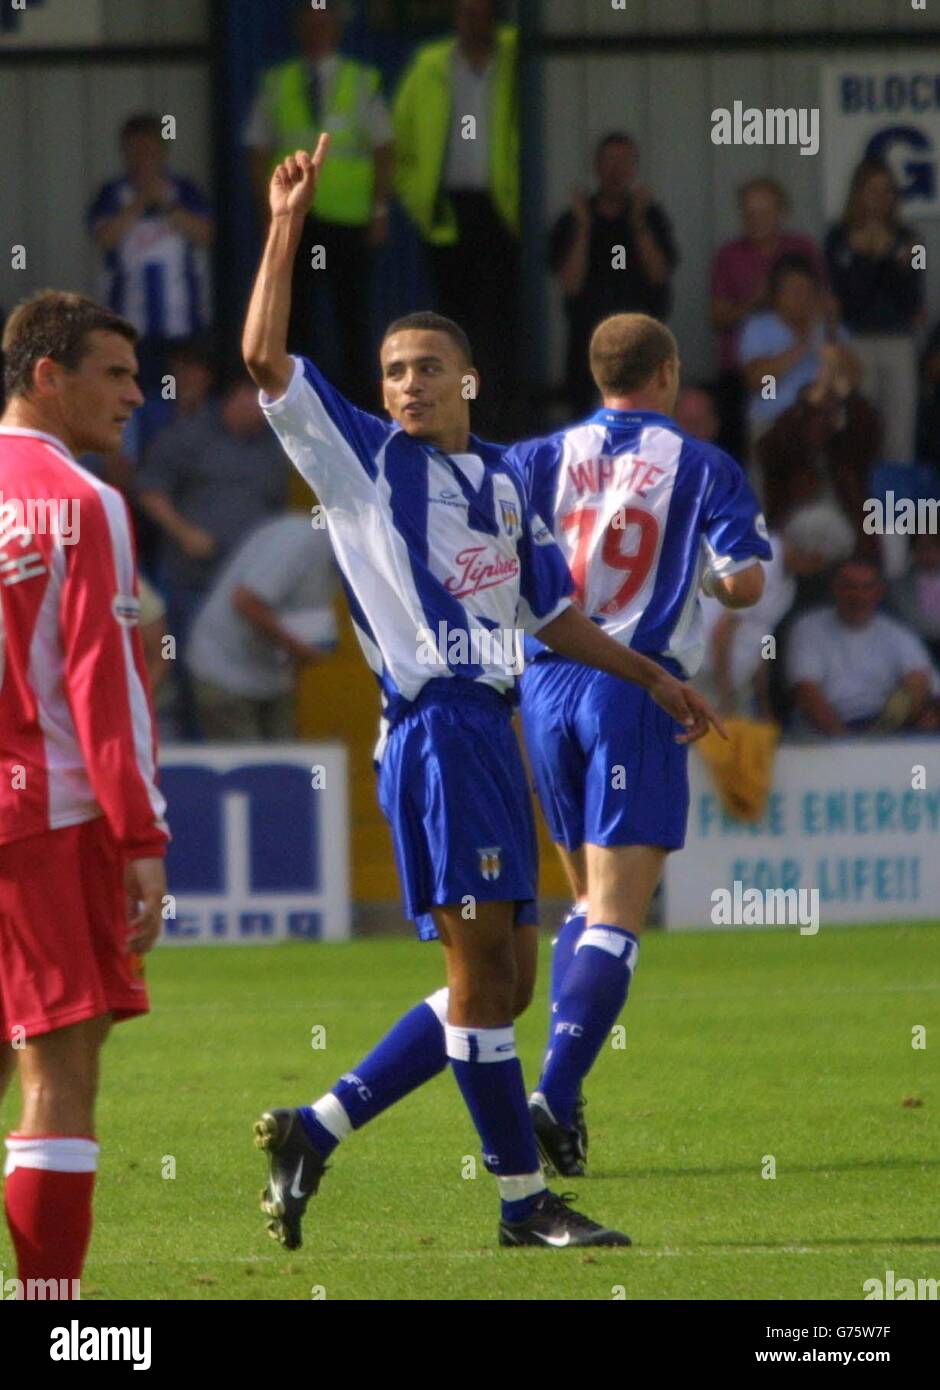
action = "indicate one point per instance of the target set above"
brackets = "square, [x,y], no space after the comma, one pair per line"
[428,321]
[627,350]
[56,324]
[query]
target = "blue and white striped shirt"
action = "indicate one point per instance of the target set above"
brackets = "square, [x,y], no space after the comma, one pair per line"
[155,277]
[640,510]
[431,546]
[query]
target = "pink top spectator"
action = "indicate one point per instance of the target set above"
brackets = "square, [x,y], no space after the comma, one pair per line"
[739,268]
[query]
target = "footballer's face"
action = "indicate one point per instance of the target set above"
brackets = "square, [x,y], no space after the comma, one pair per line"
[89,407]
[427,386]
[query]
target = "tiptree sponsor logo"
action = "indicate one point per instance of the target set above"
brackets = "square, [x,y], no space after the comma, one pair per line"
[478,569]
[755,907]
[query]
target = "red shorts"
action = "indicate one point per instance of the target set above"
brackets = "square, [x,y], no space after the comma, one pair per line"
[63,925]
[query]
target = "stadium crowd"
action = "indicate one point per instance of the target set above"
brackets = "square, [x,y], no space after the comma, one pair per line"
[853,412]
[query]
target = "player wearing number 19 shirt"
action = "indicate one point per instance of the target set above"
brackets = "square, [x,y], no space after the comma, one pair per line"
[433,534]
[645,515]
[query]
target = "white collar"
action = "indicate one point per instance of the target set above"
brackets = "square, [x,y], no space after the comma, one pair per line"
[38,434]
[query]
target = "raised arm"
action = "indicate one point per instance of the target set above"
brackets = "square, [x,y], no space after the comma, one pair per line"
[264,340]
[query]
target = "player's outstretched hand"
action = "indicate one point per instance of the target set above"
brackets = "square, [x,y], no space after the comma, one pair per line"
[687,707]
[145,881]
[294,181]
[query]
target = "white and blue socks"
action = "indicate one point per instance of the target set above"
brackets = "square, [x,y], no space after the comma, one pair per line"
[489,1075]
[563,949]
[412,1053]
[590,998]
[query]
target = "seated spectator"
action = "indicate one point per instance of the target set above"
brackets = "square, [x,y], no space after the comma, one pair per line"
[826,443]
[153,226]
[854,670]
[734,670]
[869,255]
[207,481]
[736,665]
[784,343]
[269,613]
[740,285]
[696,413]
[613,252]
[915,596]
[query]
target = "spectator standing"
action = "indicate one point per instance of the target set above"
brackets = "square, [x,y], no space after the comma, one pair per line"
[457,158]
[736,673]
[323,90]
[740,286]
[269,613]
[207,481]
[870,259]
[855,670]
[153,227]
[613,252]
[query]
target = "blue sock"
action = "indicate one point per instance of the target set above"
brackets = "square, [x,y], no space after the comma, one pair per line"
[406,1057]
[489,1075]
[593,992]
[562,956]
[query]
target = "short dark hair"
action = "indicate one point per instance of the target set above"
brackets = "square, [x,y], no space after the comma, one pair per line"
[56,324]
[793,263]
[142,123]
[613,137]
[626,350]
[433,323]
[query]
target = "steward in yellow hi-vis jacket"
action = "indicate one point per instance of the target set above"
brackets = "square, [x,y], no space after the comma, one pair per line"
[456,118]
[323,90]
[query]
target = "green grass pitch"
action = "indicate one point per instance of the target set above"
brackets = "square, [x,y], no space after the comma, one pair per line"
[740,1045]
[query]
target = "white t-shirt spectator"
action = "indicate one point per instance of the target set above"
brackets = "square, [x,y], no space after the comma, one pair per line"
[289,565]
[856,668]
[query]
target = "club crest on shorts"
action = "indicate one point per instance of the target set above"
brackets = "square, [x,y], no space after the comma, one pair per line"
[490,865]
[510,513]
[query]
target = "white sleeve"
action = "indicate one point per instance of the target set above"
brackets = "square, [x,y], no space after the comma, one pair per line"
[330,441]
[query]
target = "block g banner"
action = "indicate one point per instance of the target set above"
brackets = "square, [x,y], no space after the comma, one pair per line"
[889,108]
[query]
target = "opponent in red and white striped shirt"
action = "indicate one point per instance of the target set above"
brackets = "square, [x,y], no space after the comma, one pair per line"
[82,829]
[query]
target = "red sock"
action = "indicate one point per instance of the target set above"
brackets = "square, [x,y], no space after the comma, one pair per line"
[47,1196]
